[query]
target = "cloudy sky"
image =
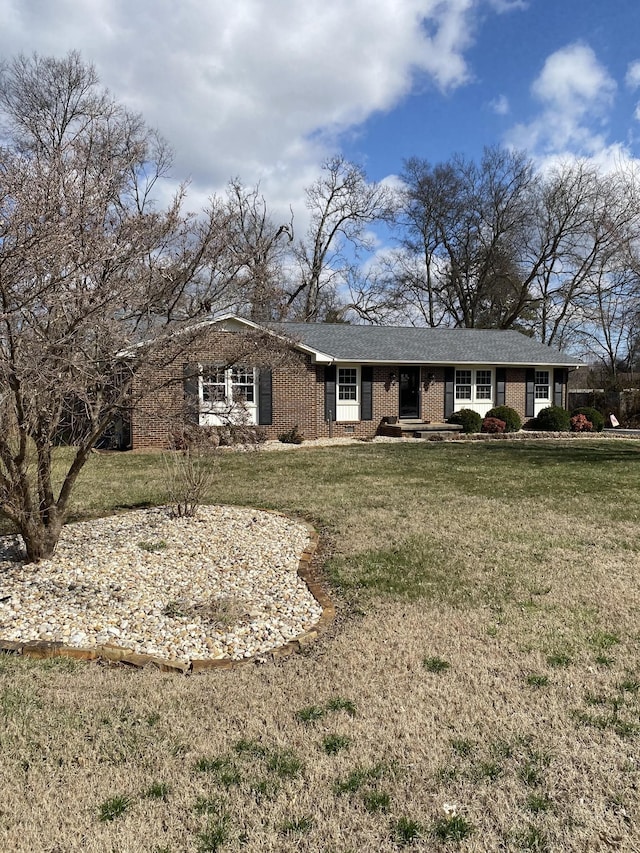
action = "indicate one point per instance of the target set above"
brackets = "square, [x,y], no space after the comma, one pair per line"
[265,89]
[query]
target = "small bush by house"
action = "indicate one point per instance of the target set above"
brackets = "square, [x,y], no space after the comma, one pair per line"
[493,425]
[291,436]
[580,423]
[508,415]
[469,420]
[554,419]
[591,414]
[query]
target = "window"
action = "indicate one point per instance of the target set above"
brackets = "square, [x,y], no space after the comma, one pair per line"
[347,383]
[483,384]
[542,385]
[225,386]
[242,384]
[463,384]
[474,386]
[214,386]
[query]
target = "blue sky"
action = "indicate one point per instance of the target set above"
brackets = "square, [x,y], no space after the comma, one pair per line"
[508,55]
[266,89]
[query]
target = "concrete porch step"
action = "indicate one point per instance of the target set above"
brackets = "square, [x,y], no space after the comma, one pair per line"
[417,429]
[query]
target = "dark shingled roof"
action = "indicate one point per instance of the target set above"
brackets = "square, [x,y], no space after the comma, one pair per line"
[388,344]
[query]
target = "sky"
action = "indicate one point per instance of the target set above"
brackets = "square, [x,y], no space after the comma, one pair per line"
[265,90]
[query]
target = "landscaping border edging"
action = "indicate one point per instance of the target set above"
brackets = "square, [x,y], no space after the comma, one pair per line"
[116,654]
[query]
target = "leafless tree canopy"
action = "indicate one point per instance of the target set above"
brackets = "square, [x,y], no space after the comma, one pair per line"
[89,267]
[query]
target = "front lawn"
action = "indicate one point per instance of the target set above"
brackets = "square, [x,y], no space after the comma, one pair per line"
[480,692]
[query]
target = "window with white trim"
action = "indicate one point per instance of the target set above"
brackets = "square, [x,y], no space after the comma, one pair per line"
[474,385]
[483,385]
[242,382]
[214,384]
[224,386]
[463,385]
[347,384]
[541,385]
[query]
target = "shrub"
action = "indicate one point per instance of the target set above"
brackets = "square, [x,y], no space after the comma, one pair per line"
[291,436]
[554,419]
[469,420]
[493,425]
[579,423]
[591,414]
[508,415]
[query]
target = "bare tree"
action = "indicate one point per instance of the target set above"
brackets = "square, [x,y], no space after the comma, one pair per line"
[259,246]
[462,228]
[90,268]
[342,204]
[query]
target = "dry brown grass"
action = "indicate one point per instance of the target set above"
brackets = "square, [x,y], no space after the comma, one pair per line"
[532,732]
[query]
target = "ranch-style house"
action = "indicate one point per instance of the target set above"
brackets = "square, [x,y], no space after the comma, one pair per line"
[342,379]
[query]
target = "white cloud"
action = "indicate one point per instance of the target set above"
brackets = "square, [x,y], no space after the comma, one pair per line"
[252,89]
[500,105]
[575,93]
[632,78]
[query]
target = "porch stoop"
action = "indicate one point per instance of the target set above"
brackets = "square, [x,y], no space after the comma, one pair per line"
[418,429]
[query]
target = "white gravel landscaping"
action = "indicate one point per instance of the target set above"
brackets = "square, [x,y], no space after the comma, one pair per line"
[221,585]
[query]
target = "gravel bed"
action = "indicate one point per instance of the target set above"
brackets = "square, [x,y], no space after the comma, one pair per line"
[221,585]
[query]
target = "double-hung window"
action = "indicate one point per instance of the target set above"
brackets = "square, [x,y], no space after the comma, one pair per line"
[542,389]
[214,384]
[347,383]
[242,384]
[464,384]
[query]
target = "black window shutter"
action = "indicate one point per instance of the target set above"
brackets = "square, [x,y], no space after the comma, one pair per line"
[530,392]
[330,392]
[265,397]
[449,390]
[191,390]
[501,386]
[559,380]
[366,406]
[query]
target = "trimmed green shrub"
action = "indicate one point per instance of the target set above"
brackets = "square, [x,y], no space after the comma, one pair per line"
[554,419]
[591,414]
[508,415]
[469,420]
[493,425]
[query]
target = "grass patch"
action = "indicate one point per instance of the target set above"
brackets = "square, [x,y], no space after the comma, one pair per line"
[113,808]
[558,659]
[297,826]
[332,744]
[405,831]
[534,679]
[285,764]
[157,791]
[337,703]
[310,714]
[452,828]
[221,769]
[436,664]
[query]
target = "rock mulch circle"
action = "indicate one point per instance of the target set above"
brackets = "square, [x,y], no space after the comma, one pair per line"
[183,594]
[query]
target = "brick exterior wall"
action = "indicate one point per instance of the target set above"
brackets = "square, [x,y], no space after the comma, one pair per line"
[298,395]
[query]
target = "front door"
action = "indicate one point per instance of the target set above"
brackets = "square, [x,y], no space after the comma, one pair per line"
[409,392]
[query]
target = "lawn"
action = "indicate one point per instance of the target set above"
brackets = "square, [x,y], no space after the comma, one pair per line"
[480,690]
